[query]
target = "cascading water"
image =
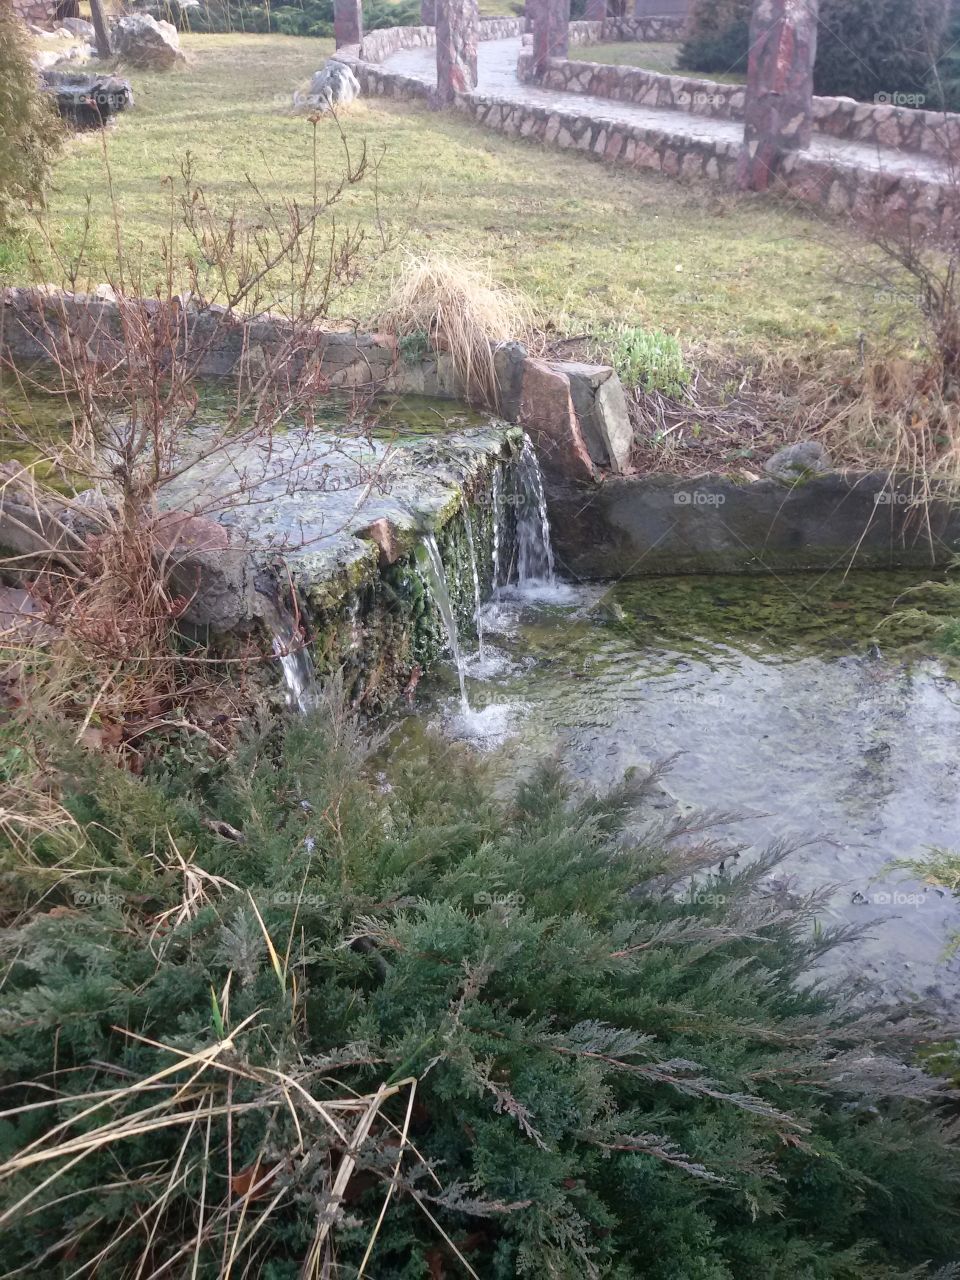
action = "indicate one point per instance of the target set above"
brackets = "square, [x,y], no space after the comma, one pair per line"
[297,666]
[432,565]
[535,564]
[477,602]
[497,490]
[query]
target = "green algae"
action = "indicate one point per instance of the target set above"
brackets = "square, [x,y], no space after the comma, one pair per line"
[816,613]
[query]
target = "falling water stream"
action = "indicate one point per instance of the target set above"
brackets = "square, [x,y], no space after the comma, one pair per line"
[534,553]
[297,666]
[432,564]
[477,602]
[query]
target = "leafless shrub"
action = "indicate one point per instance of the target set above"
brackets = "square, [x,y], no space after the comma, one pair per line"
[126,367]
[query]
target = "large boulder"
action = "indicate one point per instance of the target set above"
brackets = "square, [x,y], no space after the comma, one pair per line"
[334,85]
[81,28]
[87,101]
[142,41]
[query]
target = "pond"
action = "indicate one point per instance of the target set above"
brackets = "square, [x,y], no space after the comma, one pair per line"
[793,705]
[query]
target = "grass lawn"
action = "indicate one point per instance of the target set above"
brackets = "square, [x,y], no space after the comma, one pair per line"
[660,57]
[590,243]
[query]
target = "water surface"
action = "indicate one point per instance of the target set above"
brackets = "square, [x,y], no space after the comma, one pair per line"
[793,702]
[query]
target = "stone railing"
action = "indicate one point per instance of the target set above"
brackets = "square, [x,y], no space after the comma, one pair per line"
[651,30]
[906,128]
[902,127]
[633,84]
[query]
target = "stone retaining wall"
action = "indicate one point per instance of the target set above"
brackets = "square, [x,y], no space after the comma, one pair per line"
[378,45]
[652,30]
[575,413]
[903,127]
[633,84]
[840,190]
[637,526]
[38,11]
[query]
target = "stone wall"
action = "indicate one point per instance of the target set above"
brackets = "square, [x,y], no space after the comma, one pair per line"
[577,415]
[635,526]
[39,11]
[902,127]
[650,30]
[632,84]
[847,190]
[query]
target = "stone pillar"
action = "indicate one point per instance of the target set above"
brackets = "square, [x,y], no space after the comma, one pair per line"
[595,11]
[347,22]
[428,13]
[550,32]
[458,27]
[778,114]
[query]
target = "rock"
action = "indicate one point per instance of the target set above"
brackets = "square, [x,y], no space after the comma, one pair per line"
[142,41]
[548,415]
[334,85]
[388,538]
[508,362]
[175,11]
[178,535]
[87,101]
[602,412]
[79,27]
[799,461]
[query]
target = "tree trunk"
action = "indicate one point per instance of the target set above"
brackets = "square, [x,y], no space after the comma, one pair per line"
[104,50]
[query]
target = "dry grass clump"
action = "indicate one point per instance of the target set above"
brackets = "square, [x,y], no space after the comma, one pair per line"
[457,307]
[901,420]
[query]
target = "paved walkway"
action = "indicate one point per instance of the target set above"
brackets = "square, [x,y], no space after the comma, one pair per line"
[497,76]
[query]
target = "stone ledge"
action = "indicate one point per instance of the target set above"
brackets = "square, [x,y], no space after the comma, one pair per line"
[639,526]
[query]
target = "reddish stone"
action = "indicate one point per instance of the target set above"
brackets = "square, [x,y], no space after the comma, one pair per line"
[347,22]
[778,114]
[550,33]
[179,534]
[458,28]
[548,415]
[387,537]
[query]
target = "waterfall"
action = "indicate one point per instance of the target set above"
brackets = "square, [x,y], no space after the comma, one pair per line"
[471,547]
[497,523]
[534,552]
[437,581]
[297,666]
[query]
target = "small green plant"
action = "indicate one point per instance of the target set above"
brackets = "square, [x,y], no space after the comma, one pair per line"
[649,359]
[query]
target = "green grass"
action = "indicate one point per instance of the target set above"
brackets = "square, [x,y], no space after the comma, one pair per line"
[660,56]
[590,243]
